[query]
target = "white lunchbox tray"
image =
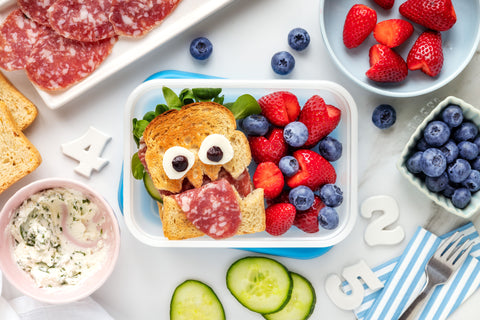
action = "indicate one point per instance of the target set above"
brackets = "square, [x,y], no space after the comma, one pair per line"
[141,212]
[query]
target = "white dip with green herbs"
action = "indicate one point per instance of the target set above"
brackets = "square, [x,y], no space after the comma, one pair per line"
[59,238]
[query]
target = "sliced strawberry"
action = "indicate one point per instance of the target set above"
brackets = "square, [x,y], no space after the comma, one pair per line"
[385,4]
[320,119]
[271,148]
[282,198]
[314,170]
[359,23]
[426,53]
[269,177]
[308,220]
[279,218]
[393,32]
[386,65]
[437,15]
[280,108]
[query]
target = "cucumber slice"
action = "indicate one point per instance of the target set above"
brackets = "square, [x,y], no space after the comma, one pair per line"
[194,300]
[151,189]
[260,284]
[301,303]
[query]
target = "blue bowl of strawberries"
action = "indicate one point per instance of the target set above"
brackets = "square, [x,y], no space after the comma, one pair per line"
[401,48]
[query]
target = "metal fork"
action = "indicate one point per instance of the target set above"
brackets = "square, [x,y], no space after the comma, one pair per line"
[444,262]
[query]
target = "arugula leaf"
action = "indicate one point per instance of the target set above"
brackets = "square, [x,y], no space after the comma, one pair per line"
[187,96]
[161,108]
[206,94]
[173,101]
[137,167]
[244,106]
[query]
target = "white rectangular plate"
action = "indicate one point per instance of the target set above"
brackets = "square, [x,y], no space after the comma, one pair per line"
[126,50]
[141,212]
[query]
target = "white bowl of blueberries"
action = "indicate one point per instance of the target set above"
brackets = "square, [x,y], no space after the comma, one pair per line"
[442,158]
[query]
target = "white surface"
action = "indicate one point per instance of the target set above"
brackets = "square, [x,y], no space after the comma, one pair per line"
[141,212]
[245,35]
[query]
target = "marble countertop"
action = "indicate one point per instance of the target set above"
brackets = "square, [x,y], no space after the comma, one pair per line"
[245,35]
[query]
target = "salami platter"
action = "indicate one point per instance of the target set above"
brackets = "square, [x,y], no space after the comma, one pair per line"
[142,212]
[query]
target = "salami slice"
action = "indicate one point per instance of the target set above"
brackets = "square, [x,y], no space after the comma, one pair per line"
[134,18]
[36,9]
[213,209]
[18,35]
[82,20]
[57,62]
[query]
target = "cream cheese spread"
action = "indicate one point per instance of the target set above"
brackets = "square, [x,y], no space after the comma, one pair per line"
[58,236]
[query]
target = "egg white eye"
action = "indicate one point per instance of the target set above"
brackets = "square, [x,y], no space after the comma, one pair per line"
[177,161]
[215,149]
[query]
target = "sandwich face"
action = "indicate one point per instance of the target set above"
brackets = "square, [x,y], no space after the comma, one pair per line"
[196,157]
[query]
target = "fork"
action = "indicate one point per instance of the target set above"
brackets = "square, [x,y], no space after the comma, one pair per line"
[444,262]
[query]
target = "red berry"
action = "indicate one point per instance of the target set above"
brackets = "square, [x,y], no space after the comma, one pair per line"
[392,32]
[279,218]
[320,119]
[386,65]
[426,53]
[271,148]
[282,198]
[308,220]
[280,108]
[437,15]
[359,23]
[314,170]
[268,177]
[385,4]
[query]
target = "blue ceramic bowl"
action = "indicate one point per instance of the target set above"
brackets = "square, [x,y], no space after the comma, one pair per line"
[459,45]
[470,113]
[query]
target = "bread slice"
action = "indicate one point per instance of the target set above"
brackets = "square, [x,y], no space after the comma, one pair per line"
[23,110]
[188,128]
[176,226]
[18,156]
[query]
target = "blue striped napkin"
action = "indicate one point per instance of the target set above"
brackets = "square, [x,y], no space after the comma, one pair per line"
[404,277]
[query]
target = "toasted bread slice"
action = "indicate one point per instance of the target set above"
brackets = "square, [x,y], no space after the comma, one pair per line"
[188,128]
[176,226]
[18,156]
[23,110]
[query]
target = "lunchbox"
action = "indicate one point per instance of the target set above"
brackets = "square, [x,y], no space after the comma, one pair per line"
[141,211]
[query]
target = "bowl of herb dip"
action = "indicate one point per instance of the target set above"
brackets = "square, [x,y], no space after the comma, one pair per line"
[60,240]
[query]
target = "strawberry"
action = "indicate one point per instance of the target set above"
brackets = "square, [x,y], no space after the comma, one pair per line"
[271,148]
[282,198]
[314,170]
[279,218]
[426,53]
[320,119]
[385,4]
[359,23]
[386,65]
[268,177]
[393,32]
[280,108]
[438,15]
[308,220]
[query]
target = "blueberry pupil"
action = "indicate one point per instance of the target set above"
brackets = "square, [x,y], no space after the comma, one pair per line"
[180,163]
[201,47]
[215,154]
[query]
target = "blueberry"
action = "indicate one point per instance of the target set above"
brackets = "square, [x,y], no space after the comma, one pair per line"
[458,170]
[295,134]
[414,163]
[472,182]
[288,165]
[331,195]
[433,162]
[477,141]
[467,150]
[330,148]
[450,150]
[301,197]
[436,133]
[466,131]
[461,197]
[201,48]
[452,115]
[255,125]
[298,39]
[328,218]
[422,145]
[437,184]
[448,191]
[283,62]
[475,164]
[384,116]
